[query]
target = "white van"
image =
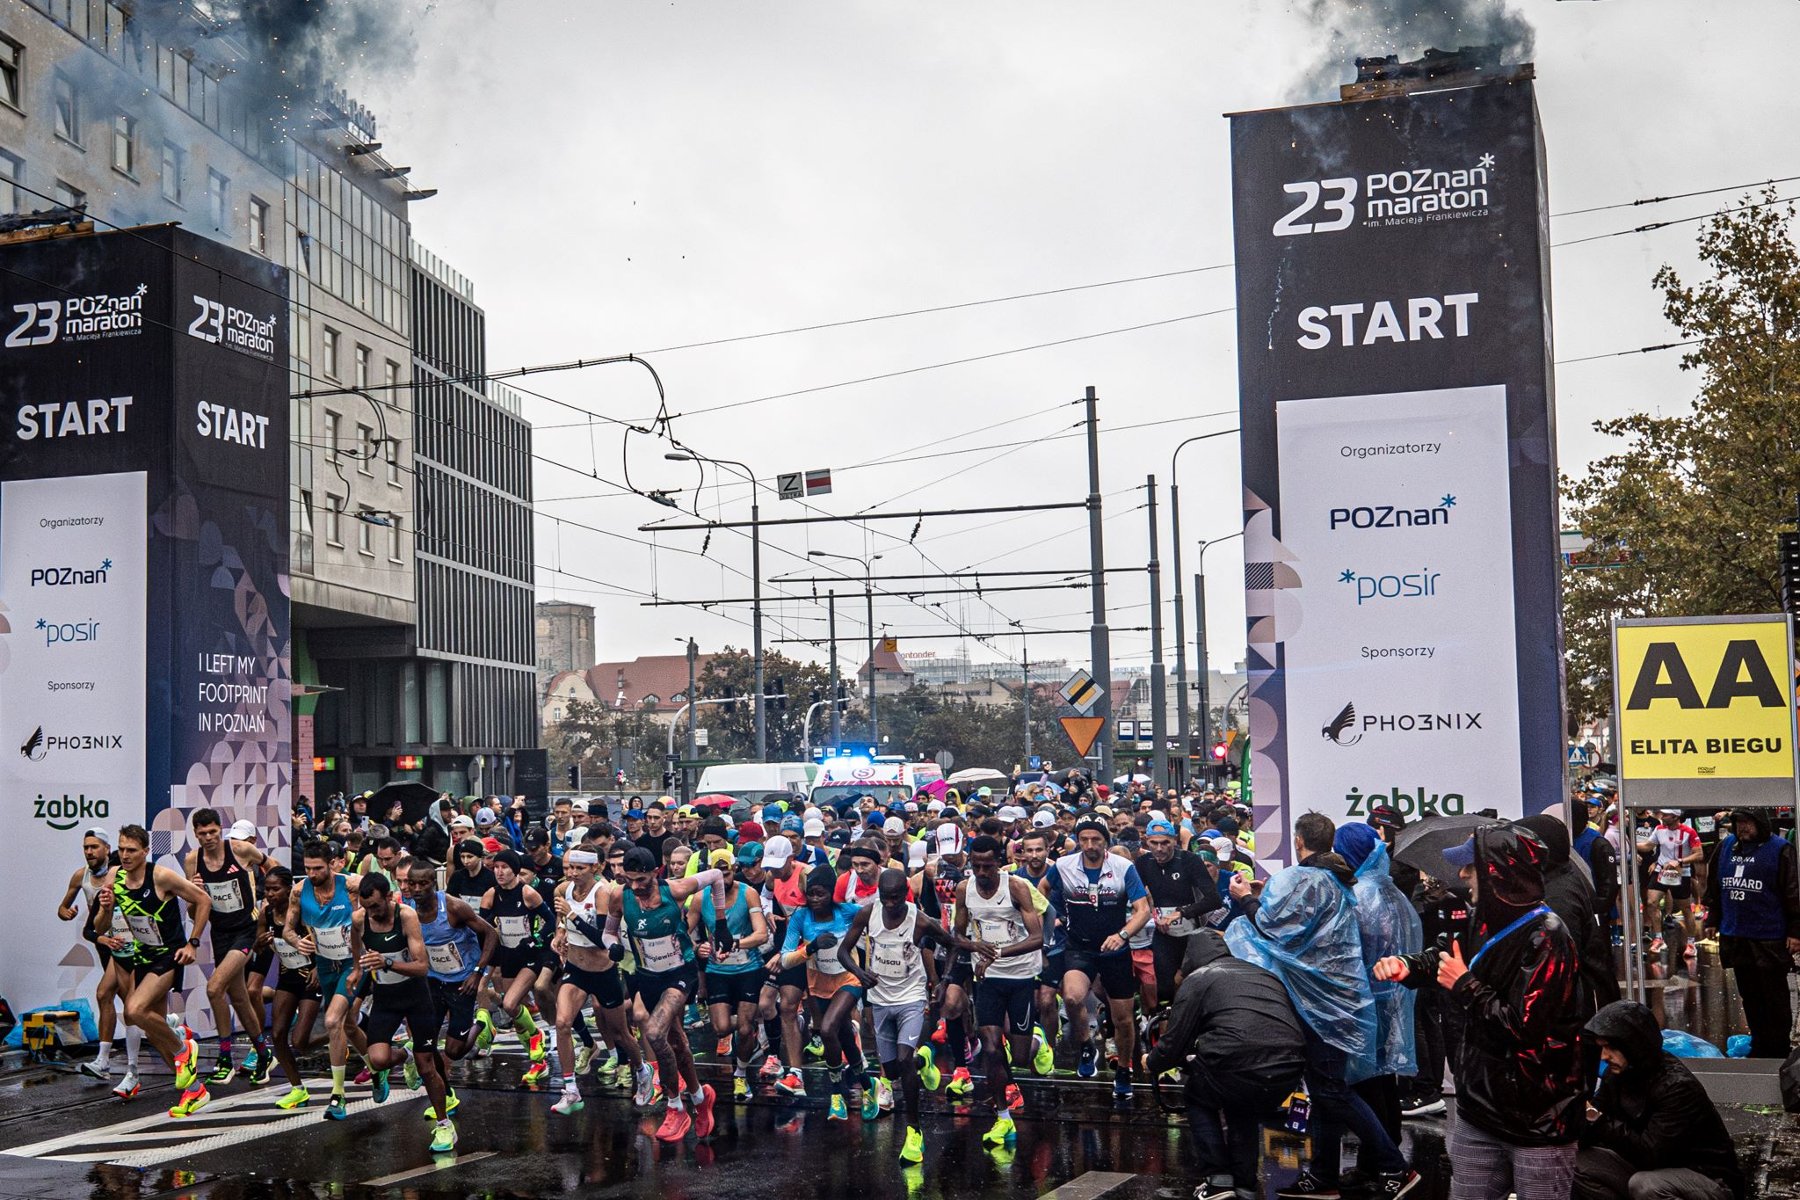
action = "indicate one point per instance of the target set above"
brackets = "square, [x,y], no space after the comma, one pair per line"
[758,782]
[886,779]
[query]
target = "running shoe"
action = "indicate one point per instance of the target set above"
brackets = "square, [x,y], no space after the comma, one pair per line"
[535,1074]
[186,1064]
[192,1101]
[534,1046]
[337,1110]
[570,1103]
[840,1111]
[815,1047]
[1122,1085]
[584,1058]
[1015,1099]
[871,1106]
[443,1137]
[703,1110]
[258,1066]
[675,1125]
[723,1049]
[912,1150]
[1657,945]
[644,1095]
[451,1104]
[1088,1064]
[771,1068]
[1307,1186]
[223,1073]
[884,1093]
[960,1083]
[1043,1061]
[295,1097]
[941,1034]
[484,1029]
[1425,1106]
[1393,1185]
[929,1075]
[93,1070]
[410,1071]
[366,1075]
[1003,1133]
[791,1084]
[380,1081]
[740,1088]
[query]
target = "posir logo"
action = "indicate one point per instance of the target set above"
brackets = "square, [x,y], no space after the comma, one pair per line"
[68,633]
[1390,516]
[78,319]
[1419,585]
[1348,728]
[39,745]
[66,812]
[221,324]
[70,576]
[1407,195]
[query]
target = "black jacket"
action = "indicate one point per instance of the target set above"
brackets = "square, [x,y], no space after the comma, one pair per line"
[1518,1071]
[1234,1018]
[1571,896]
[1184,883]
[1654,1113]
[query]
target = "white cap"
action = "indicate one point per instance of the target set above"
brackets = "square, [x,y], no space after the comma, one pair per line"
[486,816]
[915,855]
[579,804]
[813,827]
[912,806]
[1223,847]
[1012,812]
[893,825]
[1157,814]
[1043,819]
[934,806]
[949,838]
[462,822]
[776,852]
[242,831]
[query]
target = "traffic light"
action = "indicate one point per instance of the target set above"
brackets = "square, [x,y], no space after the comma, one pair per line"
[780,695]
[1790,573]
[575,777]
[1218,751]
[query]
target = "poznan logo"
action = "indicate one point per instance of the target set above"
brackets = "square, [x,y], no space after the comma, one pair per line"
[1391,516]
[70,576]
[78,319]
[1404,195]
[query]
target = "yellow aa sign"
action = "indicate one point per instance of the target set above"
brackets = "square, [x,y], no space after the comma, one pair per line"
[1704,700]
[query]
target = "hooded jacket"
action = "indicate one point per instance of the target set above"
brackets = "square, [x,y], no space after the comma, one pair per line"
[1518,1071]
[1570,895]
[1743,951]
[1654,1113]
[1236,1023]
[1390,925]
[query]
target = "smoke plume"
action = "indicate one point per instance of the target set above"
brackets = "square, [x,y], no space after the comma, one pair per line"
[1370,28]
[299,49]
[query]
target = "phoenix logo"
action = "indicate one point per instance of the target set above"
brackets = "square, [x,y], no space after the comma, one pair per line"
[1346,719]
[33,748]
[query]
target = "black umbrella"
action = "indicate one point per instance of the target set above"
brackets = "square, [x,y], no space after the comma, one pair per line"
[1422,844]
[414,797]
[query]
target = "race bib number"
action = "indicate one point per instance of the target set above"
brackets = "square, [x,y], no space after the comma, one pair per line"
[1181,926]
[892,959]
[737,958]
[226,897]
[120,928]
[332,941]
[659,954]
[445,959]
[291,959]
[828,963]
[995,932]
[391,977]
[144,930]
[513,930]
[1669,874]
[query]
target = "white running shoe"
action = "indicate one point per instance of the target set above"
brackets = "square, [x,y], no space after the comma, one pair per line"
[96,1069]
[128,1086]
[646,1087]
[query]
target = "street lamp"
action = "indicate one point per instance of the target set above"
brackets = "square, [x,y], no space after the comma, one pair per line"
[1200,633]
[1025,692]
[762,728]
[868,566]
[1181,674]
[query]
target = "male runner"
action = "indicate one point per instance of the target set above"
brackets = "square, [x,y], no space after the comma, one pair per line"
[158,954]
[526,922]
[386,941]
[1008,958]
[1033,867]
[936,888]
[88,882]
[228,871]
[898,982]
[459,945]
[1181,894]
[319,925]
[734,980]
[665,981]
[1105,904]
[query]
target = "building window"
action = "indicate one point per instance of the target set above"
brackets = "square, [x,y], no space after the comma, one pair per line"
[67,104]
[362,366]
[334,514]
[218,200]
[329,360]
[125,144]
[259,226]
[331,431]
[394,539]
[174,168]
[303,532]
[365,530]
[68,195]
[12,73]
[12,173]
[393,463]
[390,377]
[365,449]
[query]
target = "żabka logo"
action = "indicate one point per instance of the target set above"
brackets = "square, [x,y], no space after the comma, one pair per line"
[70,576]
[66,812]
[78,319]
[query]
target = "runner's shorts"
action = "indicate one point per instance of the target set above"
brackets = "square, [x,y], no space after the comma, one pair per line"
[649,986]
[1143,966]
[415,1010]
[821,986]
[791,977]
[606,987]
[224,941]
[1052,974]
[1006,1002]
[1112,971]
[455,1009]
[261,963]
[898,1028]
[333,975]
[163,965]
[734,987]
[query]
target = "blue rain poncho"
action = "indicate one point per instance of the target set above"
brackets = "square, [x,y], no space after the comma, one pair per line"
[1390,926]
[1305,931]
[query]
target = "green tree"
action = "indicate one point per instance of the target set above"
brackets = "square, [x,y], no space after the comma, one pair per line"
[1698,499]
[597,735]
[731,728]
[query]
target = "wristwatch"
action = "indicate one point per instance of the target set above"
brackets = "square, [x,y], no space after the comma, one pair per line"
[194,943]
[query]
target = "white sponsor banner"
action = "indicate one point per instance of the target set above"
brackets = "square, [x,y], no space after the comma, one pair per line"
[73,567]
[1402,684]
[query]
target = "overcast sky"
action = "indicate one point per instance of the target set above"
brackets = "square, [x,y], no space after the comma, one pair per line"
[626,178]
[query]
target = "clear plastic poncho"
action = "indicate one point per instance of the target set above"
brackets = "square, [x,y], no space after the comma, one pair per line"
[1305,931]
[1390,925]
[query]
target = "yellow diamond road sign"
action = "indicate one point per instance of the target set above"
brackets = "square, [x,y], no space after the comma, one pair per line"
[1081,691]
